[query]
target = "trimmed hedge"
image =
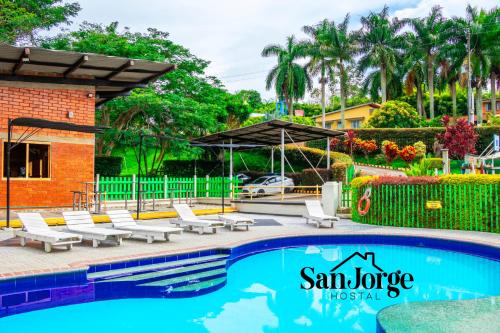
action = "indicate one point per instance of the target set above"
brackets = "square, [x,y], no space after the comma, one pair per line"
[468,202]
[408,136]
[108,166]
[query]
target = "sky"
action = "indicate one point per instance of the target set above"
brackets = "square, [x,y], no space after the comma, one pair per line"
[232,33]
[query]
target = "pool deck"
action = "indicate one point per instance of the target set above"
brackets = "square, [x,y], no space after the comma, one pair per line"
[16,261]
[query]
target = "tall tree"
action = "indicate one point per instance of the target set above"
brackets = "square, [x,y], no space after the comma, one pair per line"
[415,73]
[319,63]
[290,80]
[380,45]
[21,19]
[428,31]
[342,46]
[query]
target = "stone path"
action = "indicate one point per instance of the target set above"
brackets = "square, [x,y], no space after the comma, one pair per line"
[373,171]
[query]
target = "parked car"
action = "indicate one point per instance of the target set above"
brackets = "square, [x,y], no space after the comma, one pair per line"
[243,178]
[268,185]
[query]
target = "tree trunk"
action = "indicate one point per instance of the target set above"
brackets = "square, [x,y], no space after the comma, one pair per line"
[430,81]
[453,93]
[493,87]
[383,82]
[420,104]
[323,97]
[342,94]
[289,105]
[479,103]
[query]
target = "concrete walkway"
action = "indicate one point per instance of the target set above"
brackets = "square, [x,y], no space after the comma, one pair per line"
[372,171]
[18,261]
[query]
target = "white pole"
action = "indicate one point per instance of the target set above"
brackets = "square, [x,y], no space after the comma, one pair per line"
[207,186]
[282,160]
[328,153]
[272,159]
[231,167]
[446,161]
[165,184]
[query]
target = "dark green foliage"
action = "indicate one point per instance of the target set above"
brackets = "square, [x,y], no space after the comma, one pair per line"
[108,166]
[180,168]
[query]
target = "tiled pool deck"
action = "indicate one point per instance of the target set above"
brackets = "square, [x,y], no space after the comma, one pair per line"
[18,261]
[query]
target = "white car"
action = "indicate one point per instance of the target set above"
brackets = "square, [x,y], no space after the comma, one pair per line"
[267,185]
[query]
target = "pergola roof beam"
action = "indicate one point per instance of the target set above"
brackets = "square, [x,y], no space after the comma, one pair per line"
[76,65]
[24,58]
[119,70]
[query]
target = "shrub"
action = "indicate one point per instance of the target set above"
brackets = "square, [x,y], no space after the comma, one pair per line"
[420,148]
[408,136]
[367,146]
[391,151]
[363,180]
[310,177]
[339,171]
[402,180]
[408,154]
[435,162]
[341,158]
[460,138]
[470,179]
[108,166]
[394,114]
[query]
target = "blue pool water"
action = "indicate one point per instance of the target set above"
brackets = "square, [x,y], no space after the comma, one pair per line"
[263,295]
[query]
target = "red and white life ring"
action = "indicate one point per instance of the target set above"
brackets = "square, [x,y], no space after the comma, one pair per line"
[365,198]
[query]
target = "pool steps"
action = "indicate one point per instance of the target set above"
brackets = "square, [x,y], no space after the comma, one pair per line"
[180,278]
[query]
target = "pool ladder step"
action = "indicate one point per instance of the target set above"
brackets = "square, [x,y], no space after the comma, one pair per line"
[182,278]
[130,271]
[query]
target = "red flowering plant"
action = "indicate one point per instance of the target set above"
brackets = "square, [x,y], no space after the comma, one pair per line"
[408,154]
[391,151]
[367,147]
[350,141]
[459,138]
[335,144]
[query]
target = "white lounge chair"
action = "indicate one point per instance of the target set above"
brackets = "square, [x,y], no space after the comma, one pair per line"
[122,220]
[234,221]
[188,220]
[316,214]
[81,222]
[35,228]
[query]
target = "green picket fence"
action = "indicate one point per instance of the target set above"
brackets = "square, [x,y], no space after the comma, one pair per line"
[123,188]
[345,196]
[463,206]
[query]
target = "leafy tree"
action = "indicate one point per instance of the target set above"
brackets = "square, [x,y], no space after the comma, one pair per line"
[341,47]
[394,114]
[21,19]
[459,138]
[290,80]
[182,104]
[429,40]
[320,63]
[380,45]
[251,97]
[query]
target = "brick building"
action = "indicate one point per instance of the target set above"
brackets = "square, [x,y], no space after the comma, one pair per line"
[63,87]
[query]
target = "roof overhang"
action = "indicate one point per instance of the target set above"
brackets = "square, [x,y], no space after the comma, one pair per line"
[267,134]
[111,76]
[56,125]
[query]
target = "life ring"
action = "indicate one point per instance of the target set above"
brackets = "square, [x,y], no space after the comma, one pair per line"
[365,197]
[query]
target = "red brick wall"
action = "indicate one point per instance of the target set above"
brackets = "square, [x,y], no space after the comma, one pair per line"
[71,153]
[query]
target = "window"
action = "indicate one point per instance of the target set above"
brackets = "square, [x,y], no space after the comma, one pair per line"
[339,124]
[27,160]
[328,124]
[355,123]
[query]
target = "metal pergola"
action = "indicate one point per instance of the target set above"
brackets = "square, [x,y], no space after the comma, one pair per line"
[32,127]
[270,133]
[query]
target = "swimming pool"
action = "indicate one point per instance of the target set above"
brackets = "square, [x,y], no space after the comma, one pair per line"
[263,292]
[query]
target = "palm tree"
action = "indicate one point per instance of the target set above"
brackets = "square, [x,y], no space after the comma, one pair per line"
[341,46]
[319,63]
[429,39]
[484,49]
[415,72]
[379,45]
[290,80]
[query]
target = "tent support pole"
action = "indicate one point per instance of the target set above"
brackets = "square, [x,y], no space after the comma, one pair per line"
[282,160]
[231,168]
[9,144]
[328,163]
[139,178]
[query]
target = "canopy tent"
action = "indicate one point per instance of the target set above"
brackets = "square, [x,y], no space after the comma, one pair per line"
[270,133]
[111,76]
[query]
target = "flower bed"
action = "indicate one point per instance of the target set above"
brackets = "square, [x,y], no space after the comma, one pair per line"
[467,202]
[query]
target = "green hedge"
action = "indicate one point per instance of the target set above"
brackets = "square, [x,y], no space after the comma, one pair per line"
[469,202]
[408,136]
[108,166]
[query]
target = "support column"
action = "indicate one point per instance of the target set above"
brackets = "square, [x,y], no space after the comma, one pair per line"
[231,168]
[282,160]
[446,161]
[272,159]
[328,163]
